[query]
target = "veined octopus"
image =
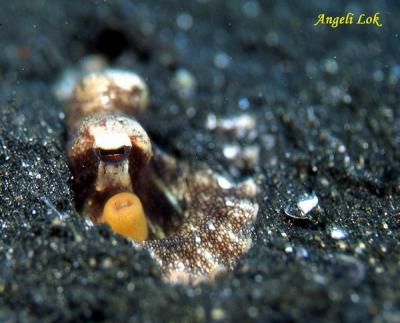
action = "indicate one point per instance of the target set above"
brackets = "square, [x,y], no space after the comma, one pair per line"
[194,223]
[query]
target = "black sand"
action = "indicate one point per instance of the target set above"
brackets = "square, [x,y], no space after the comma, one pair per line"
[326,103]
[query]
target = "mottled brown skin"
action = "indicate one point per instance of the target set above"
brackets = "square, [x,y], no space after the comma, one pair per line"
[216,227]
[89,98]
[205,223]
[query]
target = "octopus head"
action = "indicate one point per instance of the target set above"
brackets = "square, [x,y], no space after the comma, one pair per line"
[107,154]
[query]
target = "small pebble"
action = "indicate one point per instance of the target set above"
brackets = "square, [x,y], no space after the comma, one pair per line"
[184,83]
[184,21]
[217,314]
[221,60]
[338,233]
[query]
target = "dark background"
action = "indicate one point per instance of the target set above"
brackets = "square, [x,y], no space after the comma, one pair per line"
[326,103]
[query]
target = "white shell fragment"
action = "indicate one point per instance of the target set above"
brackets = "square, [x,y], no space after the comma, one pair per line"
[307,203]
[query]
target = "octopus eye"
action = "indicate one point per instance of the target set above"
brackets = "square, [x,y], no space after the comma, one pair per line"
[112,155]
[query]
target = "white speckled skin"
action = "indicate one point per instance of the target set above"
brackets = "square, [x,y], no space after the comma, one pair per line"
[216,231]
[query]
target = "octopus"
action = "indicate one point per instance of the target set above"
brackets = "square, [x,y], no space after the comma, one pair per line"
[195,223]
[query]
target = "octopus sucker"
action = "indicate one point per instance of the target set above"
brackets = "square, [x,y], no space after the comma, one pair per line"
[195,223]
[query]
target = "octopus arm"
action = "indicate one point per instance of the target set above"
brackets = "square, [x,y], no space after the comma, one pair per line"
[216,230]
